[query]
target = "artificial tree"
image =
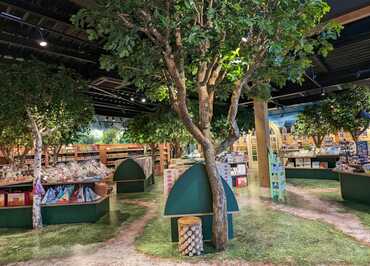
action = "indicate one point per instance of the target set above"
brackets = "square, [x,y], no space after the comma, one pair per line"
[209,50]
[313,122]
[152,129]
[47,98]
[343,110]
[15,140]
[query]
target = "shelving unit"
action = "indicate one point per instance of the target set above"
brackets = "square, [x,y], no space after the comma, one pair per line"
[307,171]
[106,153]
[59,213]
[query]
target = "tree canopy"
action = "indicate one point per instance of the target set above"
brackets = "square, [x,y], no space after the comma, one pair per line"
[344,108]
[209,50]
[313,122]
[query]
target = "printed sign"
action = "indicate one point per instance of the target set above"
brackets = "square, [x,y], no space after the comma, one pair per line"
[277,178]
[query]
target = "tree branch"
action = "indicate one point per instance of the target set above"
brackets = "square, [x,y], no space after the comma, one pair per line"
[234,132]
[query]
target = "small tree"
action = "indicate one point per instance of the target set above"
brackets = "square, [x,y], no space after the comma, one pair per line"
[155,128]
[206,50]
[344,108]
[46,98]
[313,122]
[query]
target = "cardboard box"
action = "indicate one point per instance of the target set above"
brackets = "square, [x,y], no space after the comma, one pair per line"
[16,199]
[2,199]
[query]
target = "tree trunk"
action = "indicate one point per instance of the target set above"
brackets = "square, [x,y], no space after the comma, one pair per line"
[153,150]
[263,141]
[177,149]
[38,190]
[219,225]
[37,194]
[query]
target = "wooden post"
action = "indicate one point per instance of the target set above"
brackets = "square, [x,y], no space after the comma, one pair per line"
[263,140]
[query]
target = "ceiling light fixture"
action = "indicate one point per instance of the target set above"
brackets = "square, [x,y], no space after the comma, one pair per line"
[132,99]
[143,100]
[42,41]
[323,92]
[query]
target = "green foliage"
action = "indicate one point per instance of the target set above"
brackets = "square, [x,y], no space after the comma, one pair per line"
[314,122]
[53,95]
[272,41]
[111,136]
[221,127]
[159,127]
[14,134]
[343,109]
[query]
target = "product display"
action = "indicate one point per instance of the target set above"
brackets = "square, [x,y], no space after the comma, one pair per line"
[238,167]
[69,194]
[75,172]
[277,178]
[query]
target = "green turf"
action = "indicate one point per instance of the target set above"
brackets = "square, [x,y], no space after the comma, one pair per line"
[313,183]
[264,235]
[62,240]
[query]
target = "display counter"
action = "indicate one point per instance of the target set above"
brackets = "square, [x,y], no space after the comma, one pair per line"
[52,213]
[303,167]
[354,186]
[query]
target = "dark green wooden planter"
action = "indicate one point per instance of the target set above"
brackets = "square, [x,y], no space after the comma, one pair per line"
[191,196]
[16,217]
[355,187]
[130,177]
[75,213]
[21,217]
[311,173]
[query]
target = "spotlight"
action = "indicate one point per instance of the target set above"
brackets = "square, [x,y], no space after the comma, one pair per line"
[143,100]
[43,43]
[132,99]
[323,92]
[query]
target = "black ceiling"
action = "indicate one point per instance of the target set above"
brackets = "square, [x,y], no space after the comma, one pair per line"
[19,32]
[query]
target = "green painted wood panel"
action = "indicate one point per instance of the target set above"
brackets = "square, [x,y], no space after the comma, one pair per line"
[307,173]
[355,187]
[128,169]
[191,194]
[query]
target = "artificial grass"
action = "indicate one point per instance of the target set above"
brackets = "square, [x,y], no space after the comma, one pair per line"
[313,183]
[63,240]
[264,235]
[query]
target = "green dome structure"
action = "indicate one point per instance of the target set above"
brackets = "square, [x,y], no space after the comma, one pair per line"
[191,196]
[130,177]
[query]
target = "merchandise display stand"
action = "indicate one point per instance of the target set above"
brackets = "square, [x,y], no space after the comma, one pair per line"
[354,186]
[277,178]
[191,196]
[312,167]
[134,175]
[65,213]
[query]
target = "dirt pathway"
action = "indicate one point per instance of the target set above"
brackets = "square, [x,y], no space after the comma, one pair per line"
[121,250]
[329,212]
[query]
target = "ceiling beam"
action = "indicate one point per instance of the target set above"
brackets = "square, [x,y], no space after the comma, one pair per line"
[354,15]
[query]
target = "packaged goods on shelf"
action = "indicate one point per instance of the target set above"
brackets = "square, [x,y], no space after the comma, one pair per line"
[2,199]
[73,171]
[69,194]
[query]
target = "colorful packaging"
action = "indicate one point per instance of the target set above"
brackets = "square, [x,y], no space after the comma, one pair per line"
[16,199]
[2,199]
